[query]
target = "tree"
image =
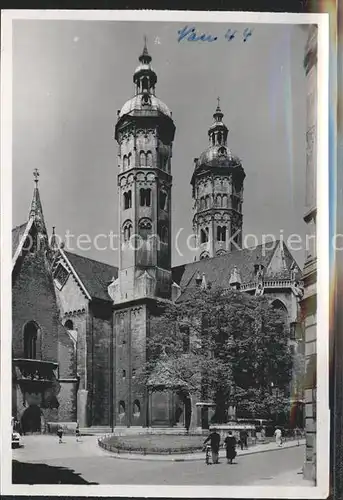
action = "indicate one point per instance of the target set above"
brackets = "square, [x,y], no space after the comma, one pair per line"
[224,345]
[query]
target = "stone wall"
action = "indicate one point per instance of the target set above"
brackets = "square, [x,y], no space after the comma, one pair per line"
[34,299]
[99,364]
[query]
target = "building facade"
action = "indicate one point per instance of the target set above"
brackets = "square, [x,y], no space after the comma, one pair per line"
[44,381]
[309,302]
[102,313]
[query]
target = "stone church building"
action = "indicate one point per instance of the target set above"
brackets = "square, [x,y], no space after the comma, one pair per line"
[82,324]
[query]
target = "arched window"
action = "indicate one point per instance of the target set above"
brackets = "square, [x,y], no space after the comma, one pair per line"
[127,200]
[163,200]
[129,160]
[145,197]
[213,140]
[121,407]
[136,408]
[224,201]
[208,201]
[125,162]
[204,235]
[219,200]
[145,83]
[149,159]
[127,229]
[30,340]
[69,324]
[142,159]
[219,137]
[280,306]
[202,203]
[221,233]
[204,255]
[145,228]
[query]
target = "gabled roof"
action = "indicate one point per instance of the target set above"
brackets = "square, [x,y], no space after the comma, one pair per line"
[17,235]
[94,275]
[218,269]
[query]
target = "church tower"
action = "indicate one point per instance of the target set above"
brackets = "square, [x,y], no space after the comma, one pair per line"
[217,193]
[144,133]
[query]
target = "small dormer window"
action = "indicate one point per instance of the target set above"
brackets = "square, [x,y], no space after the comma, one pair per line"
[222,151]
[61,275]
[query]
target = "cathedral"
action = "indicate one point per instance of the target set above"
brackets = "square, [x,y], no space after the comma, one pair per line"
[80,325]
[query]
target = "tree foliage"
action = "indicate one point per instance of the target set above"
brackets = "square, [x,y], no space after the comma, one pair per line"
[225,346]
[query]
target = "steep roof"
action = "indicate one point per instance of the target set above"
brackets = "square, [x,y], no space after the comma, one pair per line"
[95,275]
[218,269]
[17,234]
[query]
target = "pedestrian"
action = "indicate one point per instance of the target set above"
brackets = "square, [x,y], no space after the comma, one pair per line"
[230,446]
[278,436]
[263,434]
[243,438]
[297,435]
[214,439]
[60,434]
[77,431]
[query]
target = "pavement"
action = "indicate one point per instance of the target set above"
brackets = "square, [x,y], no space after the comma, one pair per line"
[42,460]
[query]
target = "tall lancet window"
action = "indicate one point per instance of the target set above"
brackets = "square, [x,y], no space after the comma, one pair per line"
[30,340]
[142,159]
[149,159]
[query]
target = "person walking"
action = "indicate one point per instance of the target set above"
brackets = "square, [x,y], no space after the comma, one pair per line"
[77,431]
[214,439]
[297,435]
[60,434]
[243,437]
[278,436]
[230,446]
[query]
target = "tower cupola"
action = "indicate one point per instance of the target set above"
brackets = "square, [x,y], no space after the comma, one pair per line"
[218,131]
[144,76]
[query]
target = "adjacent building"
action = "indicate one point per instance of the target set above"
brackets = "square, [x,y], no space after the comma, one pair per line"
[309,302]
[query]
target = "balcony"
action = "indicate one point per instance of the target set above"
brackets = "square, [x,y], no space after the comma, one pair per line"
[276,283]
[37,377]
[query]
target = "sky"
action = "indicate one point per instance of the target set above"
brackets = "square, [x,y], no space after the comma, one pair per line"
[71,77]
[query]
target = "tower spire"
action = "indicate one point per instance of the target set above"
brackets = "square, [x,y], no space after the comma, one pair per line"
[36,210]
[145,77]
[218,115]
[53,240]
[36,214]
[145,57]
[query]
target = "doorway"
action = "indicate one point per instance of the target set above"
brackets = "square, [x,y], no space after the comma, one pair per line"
[31,419]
